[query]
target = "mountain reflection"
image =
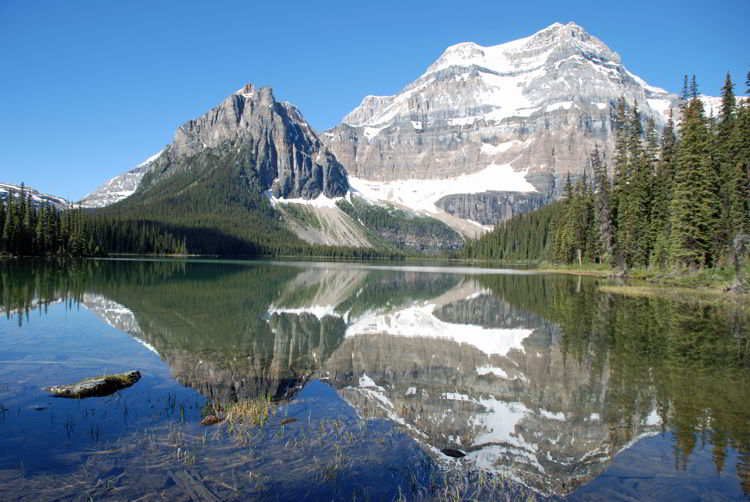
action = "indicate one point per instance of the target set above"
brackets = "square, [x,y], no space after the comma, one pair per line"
[541,378]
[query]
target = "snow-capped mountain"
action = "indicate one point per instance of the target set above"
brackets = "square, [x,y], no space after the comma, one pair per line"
[36,197]
[492,123]
[483,134]
[119,187]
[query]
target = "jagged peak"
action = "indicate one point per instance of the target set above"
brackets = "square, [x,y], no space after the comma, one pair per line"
[250,91]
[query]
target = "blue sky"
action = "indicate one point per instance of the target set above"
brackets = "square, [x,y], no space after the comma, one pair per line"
[91,88]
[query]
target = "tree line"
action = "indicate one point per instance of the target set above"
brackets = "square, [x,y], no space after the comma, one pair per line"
[678,198]
[27,229]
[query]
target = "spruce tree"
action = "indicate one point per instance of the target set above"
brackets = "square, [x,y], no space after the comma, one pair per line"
[724,157]
[662,195]
[603,208]
[693,208]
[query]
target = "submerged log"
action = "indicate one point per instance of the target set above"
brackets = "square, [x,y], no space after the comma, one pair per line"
[95,386]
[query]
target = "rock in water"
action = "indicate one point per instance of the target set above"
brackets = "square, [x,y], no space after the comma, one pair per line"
[210,420]
[95,386]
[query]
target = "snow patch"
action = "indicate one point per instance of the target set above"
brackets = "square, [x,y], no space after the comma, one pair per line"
[419,322]
[150,159]
[319,311]
[564,105]
[660,106]
[491,370]
[489,149]
[320,201]
[554,416]
[421,195]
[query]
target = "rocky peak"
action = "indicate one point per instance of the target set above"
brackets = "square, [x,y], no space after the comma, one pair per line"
[532,108]
[273,137]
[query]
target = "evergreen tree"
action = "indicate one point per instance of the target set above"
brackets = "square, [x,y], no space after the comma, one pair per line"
[603,208]
[693,206]
[662,195]
[633,201]
[693,88]
[684,95]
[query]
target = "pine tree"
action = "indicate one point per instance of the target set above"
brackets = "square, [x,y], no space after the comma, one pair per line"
[739,158]
[693,208]
[633,201]
[693,88]
[724,158]
[684,96]
[662,195]
[603,208]
[2,226]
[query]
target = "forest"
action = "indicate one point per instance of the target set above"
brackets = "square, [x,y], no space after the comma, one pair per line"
[675,199]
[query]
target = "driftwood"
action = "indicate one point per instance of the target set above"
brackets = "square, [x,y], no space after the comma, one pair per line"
[96,386]
[193,487]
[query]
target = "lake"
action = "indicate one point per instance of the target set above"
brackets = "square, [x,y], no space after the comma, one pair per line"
[374,381]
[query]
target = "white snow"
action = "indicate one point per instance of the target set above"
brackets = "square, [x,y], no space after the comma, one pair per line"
[319,311]
[564,105]
[661,106]
[499,423]
[601,106]
[554,416]
[498,58]
[147,345]
[656,90]
[416,125]
[418,321]
[489,149]
[594,416]
[421,195]
[371,132]
[150,159]
[455,396]
[487,370]
[366,381]
[320,201]
[411,391]
[653,418]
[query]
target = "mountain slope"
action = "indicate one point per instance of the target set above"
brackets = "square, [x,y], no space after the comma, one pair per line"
[37,198]
[494,129]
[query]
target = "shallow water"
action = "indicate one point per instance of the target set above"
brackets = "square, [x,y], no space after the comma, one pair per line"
[551,387]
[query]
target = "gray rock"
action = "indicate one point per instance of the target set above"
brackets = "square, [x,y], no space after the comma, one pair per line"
[538,104]
[274,138]
[489,208]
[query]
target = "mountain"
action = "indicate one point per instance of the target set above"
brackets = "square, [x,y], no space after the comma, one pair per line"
[252,176]
[37,197]
[484,134]
[487,132]
[119,187]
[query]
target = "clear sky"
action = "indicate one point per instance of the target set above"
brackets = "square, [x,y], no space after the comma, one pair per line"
[89,89]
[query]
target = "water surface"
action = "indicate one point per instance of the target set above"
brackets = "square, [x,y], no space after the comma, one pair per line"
[550,387]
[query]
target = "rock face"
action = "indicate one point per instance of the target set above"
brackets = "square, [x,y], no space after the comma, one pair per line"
[488,208]
[535,107]
[275,140]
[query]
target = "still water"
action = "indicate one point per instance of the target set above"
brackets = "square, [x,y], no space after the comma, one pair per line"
[551,386]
